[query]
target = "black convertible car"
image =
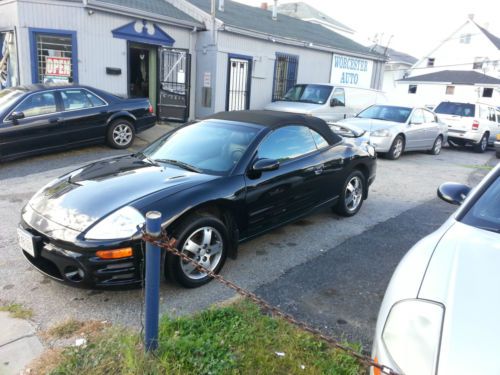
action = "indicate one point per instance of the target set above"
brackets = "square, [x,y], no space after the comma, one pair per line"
[40,118]
[217,182]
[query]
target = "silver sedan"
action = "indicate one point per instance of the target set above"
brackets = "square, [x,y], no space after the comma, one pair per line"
[440,313]
[393,129]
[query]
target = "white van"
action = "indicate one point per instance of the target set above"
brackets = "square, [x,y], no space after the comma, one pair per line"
[469,124]
[327,101]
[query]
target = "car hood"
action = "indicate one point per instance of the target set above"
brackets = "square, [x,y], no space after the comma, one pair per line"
[80,198]
[368,124]
[294,107]
[463,275]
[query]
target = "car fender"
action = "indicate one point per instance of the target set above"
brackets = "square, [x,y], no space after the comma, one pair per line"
[121,114]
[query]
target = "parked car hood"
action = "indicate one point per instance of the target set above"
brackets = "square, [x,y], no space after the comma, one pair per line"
[368,124]
[82,197]
[294,107]
[463,275]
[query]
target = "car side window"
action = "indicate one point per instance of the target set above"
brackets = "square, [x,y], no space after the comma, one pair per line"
[429,117]
[287,143]
[492,114]
[75,99]
[498,117]
[94,99]
[417,117]
[38,104]
[318,138]
[338,97]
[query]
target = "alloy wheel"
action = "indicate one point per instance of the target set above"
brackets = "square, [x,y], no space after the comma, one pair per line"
[354,193]
[204,246]
[122,134]
[438,145]
[398,148]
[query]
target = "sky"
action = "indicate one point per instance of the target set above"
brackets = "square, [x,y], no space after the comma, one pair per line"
[416,26]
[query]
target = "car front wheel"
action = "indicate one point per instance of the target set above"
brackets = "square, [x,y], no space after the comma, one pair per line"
[121,134]
[204,239]
[397,148]
[351,199]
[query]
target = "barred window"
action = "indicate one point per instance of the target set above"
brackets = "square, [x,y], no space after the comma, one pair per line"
[54,58]
[285,74]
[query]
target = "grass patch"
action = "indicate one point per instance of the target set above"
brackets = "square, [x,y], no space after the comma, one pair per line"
[65,329]
[17,310]
[476,166]
[236,339]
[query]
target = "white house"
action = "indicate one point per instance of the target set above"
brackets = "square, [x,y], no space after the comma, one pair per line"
[464,66]
[396,67]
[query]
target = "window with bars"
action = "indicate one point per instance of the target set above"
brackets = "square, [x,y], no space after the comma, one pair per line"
[285,74]
[54,57]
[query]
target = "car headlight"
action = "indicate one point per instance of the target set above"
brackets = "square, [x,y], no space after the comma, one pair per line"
[370,149]
[119,225]
[412,334]
[381,133]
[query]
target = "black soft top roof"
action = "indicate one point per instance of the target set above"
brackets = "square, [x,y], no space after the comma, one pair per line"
[275,119]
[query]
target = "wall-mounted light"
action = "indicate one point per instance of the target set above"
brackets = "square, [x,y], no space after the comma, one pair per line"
[90,12]
[142,56]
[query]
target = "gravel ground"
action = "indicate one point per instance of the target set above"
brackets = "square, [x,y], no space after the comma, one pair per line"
[400,186]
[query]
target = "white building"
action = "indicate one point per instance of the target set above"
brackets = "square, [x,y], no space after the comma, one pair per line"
[464,66]
[396,67]
[189,62]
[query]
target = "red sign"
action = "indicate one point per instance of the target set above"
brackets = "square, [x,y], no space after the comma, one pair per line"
[58,66]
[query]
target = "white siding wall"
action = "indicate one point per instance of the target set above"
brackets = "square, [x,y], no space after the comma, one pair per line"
[8,15]
[453,55]
[314,66]
[97,49]
[433,94]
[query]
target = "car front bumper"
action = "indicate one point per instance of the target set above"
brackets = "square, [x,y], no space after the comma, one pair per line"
[77,264]
[381,144]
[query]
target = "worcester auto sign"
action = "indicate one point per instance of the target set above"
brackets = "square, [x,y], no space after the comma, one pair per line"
[351,71]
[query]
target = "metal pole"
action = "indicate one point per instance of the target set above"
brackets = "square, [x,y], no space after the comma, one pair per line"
[153,257]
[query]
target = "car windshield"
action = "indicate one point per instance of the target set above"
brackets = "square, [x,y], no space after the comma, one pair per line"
[456,109]
[485,213]
[317,94]
[8,97]
[209,146]
[386,113]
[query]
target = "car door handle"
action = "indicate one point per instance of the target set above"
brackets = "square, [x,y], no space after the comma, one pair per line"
[319,169]
[54,120]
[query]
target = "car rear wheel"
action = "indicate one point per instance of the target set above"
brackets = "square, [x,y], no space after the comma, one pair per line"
[121,134]
[204,239]
[438,145]
[351,199]
[397,148]
[483,144]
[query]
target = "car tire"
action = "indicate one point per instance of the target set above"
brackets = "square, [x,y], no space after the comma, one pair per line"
[437,146]
[190,236]
[482,145]
[397,148]
[121,134]
[349,205]
[498,154]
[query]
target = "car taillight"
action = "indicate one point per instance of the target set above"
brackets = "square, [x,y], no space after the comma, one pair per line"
[150,109]
[475,125]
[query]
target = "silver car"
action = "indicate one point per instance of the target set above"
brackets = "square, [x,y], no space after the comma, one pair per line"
[440,313]
[393,129]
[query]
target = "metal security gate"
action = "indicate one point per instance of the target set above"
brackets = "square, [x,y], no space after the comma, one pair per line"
[285,74]
[173,101]
[238,83]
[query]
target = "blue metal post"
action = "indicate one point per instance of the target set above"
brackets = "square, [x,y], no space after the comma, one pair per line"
[153,258]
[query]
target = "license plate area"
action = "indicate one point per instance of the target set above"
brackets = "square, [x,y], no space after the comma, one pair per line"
[27,242]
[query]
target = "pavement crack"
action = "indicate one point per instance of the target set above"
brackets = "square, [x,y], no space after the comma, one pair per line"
[17,339]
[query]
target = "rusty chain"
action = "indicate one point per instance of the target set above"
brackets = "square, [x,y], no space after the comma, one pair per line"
[168,244]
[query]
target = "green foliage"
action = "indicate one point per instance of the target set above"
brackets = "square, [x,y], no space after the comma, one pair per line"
[16,310]
[238,339]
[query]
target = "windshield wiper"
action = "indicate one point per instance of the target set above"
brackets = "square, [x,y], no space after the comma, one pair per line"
[181,164]
[151,161]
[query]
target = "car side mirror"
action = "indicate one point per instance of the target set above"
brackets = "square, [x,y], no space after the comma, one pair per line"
[265,165]
[334,102]
[453,193]
[16,116]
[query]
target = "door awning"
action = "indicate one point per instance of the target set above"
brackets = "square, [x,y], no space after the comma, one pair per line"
[143,31]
